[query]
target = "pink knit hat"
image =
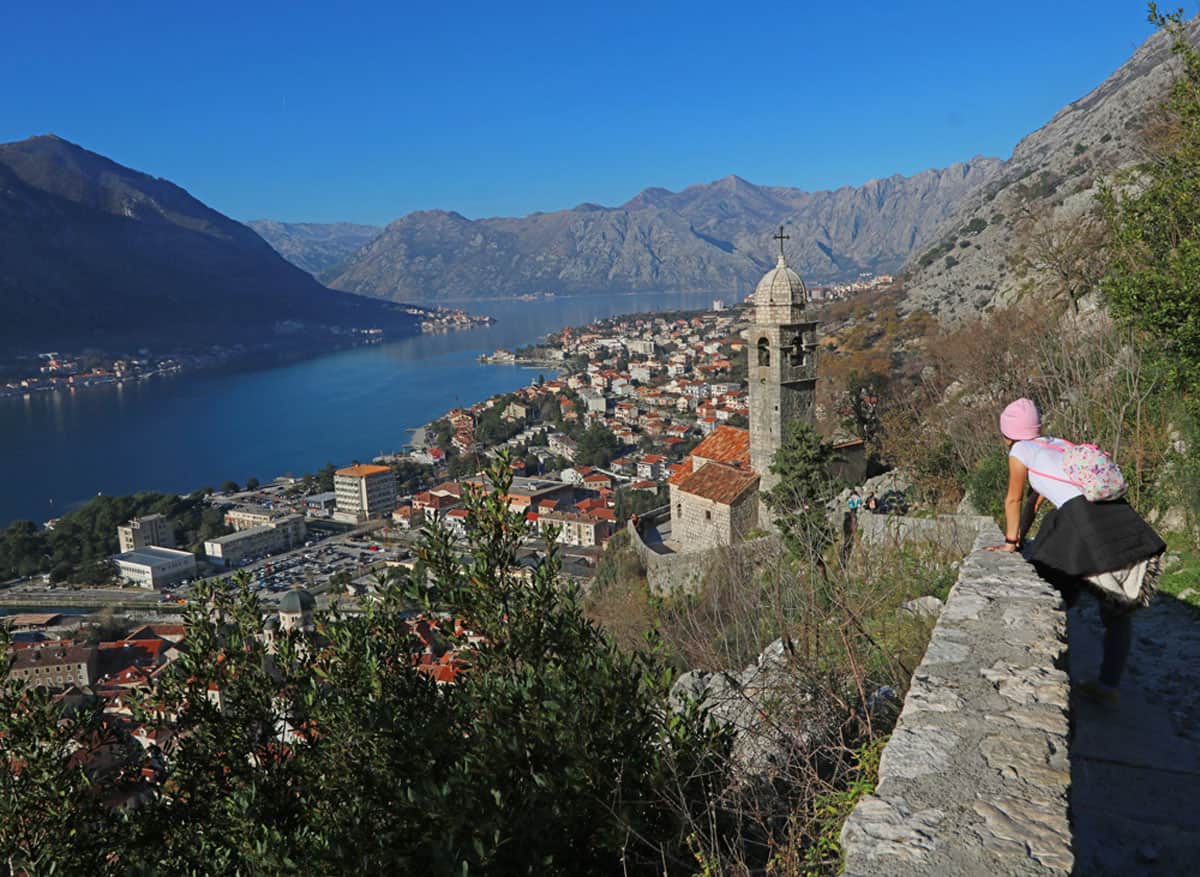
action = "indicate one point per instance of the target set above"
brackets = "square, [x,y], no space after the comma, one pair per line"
[1020,420]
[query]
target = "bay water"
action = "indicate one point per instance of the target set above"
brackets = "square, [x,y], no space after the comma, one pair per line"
[179,433]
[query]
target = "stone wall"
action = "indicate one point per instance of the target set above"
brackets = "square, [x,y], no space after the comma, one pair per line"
[956,532]
[975,777]
[699,523]
[684,572]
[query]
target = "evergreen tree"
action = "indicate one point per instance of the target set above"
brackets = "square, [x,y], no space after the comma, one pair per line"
[805,486]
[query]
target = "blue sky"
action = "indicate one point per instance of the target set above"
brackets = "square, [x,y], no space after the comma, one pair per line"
[305,113]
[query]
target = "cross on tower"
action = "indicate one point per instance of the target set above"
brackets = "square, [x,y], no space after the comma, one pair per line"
[781,237]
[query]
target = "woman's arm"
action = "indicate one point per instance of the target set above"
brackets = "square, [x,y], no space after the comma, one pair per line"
[1012,503]
[1012,506]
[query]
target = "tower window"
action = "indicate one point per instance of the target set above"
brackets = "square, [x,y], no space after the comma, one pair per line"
[764,351]
[707,515]
[798,354]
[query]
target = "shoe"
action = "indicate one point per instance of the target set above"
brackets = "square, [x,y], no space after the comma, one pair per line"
[1100,693]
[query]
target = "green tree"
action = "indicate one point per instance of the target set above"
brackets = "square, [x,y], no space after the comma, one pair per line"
[252,484]
[636,502]
[798,500]
[1153,281]
[597,446]
[51,818]
[230,486]
[553,754]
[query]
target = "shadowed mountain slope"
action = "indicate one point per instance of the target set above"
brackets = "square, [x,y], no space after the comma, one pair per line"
[99,254]
[314,246]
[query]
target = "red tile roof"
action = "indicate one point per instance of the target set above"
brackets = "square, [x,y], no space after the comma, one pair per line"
[727,444]
[718,482]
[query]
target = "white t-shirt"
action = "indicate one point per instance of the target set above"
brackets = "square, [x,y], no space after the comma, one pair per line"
[1036,456]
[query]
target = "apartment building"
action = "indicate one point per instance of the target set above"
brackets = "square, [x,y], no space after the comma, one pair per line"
[146,531]
[364,492]
[280,534]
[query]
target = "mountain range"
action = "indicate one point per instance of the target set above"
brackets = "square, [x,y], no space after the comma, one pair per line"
[97,254]
[315,247]
[966,237]
[714,237]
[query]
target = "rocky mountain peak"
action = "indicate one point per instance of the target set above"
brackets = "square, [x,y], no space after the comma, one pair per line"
[982,254]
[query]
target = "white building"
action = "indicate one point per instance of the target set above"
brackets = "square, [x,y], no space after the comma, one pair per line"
[594,401]
[281,534]
[574,529]
[146,531]
[249,516]
[364,492]
[153,567]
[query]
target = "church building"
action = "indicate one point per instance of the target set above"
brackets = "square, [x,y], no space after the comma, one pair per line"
[715,496]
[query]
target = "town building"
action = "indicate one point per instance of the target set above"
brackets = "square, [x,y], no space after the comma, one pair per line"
[575,529]
[249,516]
[364,492]
[280,534]
[321,505]
[54,666]
[155,567]
[295,611]
[146,531]
[562,446]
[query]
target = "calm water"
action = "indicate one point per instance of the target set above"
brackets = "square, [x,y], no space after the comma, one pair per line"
[181,433]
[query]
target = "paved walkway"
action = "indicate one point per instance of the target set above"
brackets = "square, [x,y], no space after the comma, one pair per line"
[1135,768]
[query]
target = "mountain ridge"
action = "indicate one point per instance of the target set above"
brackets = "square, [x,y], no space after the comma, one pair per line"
[707,237]
[314,246]
[100,254]
[996,248]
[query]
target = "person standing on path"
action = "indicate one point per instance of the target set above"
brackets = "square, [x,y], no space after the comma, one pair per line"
[1079,540]
[850,525]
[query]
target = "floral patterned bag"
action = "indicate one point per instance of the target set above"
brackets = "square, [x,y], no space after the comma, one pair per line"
[1090,469]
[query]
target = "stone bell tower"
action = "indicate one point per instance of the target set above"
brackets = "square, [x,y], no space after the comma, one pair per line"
[782,368]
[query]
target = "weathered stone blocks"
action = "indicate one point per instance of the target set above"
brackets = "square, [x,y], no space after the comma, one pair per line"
[976,775]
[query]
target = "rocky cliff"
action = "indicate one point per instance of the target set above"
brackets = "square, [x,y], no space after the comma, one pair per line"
[714,237]
[1020,233]
[316,247]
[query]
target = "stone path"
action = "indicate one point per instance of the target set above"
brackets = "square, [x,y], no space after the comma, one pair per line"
[1135,768]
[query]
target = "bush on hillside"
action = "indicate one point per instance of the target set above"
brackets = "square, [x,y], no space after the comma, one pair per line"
[555,753]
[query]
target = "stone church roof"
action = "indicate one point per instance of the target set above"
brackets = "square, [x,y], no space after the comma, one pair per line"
[727,444]
[719,482]
[780,286]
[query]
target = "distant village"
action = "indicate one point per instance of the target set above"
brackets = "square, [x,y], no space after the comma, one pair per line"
[70,371]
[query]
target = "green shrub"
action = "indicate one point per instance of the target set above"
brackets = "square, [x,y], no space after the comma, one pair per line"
[987,484]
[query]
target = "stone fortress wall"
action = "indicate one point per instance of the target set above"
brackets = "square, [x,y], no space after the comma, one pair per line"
[976,775]
[975,778]
[683,572]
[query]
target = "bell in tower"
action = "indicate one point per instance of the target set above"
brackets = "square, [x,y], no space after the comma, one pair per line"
[782,369]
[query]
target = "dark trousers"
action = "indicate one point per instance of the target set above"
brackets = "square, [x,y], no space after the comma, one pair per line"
[1118,624]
